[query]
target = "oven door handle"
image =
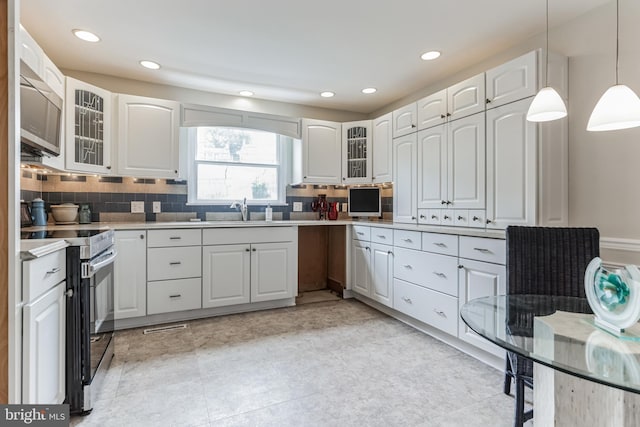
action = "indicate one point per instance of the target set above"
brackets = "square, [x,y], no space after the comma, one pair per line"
[92,267]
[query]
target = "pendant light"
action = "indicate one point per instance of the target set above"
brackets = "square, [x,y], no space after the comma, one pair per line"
[547,105]
[619,107]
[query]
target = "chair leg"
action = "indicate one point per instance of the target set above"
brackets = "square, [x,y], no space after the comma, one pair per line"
[519,412]
[508,374]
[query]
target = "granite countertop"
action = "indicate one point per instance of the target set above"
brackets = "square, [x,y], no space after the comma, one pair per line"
[462,231]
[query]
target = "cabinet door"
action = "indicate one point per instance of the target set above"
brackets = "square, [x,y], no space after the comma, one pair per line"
[130,274]
[476,280]
[432,110]
[466,163]
[432,167]
[321,152]
[511,166]
[405,179]
[360,269]
[405,120]
[272,271]
[356,152]
[382,273]
[88,128]
[147,137]
[466,98]
[43,348]
[30,52]
[382,149]
[52,76]
[513,80]
[226,275]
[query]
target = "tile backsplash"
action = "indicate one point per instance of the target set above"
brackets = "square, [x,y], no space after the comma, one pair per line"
[109,198]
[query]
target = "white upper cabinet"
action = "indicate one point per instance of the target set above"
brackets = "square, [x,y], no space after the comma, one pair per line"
[321,152]
[432,110]
[432,167]
[148,131]
[466,98]
[466,162]
[405,179]
[405,120]
[513,80]
[30,52]
[382,140]
[88,128]
[52,76]
[356,152]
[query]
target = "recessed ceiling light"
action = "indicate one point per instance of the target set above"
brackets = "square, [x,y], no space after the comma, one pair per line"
[246,93]
[150,65]
[428,56]
[87,36]
[327,94]
[369,90]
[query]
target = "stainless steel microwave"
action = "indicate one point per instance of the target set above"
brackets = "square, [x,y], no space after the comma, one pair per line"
[40,114]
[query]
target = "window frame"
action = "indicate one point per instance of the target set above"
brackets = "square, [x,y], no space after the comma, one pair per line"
[282,167]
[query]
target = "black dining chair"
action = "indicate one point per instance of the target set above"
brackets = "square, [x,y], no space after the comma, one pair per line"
[542,261]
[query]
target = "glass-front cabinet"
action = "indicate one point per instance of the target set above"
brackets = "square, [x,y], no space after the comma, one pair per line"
[356,152]
[89,121]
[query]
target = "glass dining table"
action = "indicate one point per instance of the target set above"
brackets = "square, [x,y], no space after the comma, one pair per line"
[559,333]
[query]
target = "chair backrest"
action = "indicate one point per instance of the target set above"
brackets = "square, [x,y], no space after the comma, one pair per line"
[549,260]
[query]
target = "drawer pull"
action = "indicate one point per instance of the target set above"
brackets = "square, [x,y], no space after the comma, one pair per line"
[408,240]
[408,266]
[482,250]
[437,273]
[175,263]
[367,248]
[439,313]
[447,217]
[407,300]
[175,296]
[360,233]
[476,218]
[440,245]
[460,267]
[381,236]
[442,202]
[54,270]
[175,238]
[422,216]
[389,253]
[434,217]
[460,217]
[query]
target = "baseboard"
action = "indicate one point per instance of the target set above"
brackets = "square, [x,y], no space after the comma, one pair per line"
[335,286]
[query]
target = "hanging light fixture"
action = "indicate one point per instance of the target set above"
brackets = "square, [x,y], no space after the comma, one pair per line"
[547,105]
[619,107]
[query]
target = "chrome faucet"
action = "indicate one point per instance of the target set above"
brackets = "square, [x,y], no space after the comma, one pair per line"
[243,208]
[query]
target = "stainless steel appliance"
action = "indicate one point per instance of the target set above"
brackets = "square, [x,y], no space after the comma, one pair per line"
[40,115]
[90,320]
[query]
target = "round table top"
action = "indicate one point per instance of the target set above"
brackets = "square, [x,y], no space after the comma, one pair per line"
[558,332]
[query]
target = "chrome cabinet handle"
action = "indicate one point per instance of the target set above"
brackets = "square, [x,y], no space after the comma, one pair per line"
[447,217]
[483,250]
[175,263]
[413,217]
[54,270]
[408,240]
[440,245]
[439,312]
[422,216]
[439,274]
[488,101]
[175,238]
[381,236]
[449,203]
[247,250]
[442,116]
[434,217]
[142,237]
[475,218]
[69,293]
[408,266]
[389,253]
[175,296]
[360,233]
[443,202]
[407,300]
[489,221]
[253,249]
[366,247]
[460,217]
[460,267]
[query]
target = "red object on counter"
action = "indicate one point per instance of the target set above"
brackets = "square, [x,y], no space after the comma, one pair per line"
[333,211]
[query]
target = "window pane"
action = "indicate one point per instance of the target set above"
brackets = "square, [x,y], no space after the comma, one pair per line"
[229,182]
[236,145]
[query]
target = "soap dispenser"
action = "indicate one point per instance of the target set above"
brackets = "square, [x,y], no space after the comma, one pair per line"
[268,213]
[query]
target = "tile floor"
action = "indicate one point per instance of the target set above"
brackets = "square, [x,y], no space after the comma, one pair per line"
[337,363]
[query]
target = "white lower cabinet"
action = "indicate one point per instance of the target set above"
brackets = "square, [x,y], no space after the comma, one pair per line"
[382,273]
[480,279]
[372,263]
[165,296]
[361,266]
[248,265]
[130,274]
[43,348]
[426,305]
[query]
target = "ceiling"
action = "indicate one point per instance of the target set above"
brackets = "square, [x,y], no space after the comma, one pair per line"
[289,50]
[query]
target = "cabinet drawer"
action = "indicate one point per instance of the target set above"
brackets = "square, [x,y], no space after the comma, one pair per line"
[174,295]
[233,236]
[446,244]
[407,239]
[174,263]
[425,305]
[477,218]
[434,271]
[43,273]
[382,235]
[483,249]
[361,232]
[177,237]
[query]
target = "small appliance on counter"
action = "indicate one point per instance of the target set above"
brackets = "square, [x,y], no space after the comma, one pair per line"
[319,204]
[38,214]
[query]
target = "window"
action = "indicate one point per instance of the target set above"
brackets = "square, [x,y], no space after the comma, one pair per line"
[230,164]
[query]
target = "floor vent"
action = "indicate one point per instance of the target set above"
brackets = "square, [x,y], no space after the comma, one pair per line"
[164,329]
